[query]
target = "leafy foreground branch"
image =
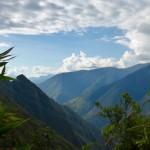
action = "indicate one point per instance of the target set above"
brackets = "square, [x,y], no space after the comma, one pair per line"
[128,128]
[4,58]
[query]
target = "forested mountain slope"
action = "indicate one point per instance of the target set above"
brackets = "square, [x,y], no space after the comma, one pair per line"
[60,118]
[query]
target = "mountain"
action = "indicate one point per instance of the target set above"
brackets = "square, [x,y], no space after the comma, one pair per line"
[40,79]
[66,86]
[60,118]
[31,132]
[137,84]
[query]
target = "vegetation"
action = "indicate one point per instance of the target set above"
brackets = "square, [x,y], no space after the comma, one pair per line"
[8,121]
[128,128]
[4,58]
[15,134]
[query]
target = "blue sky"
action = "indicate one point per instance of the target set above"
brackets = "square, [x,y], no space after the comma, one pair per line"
[53,37]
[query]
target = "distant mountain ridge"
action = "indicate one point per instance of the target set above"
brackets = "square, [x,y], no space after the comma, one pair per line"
[61,118]
[137,84]
[40,79]
[66,86]
[105,84]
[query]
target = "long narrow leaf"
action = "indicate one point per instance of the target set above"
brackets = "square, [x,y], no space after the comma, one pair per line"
[3,64]
[2,57]
[10,58]
[3,70]
[6,52]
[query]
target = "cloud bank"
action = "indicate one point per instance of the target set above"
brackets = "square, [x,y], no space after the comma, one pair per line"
[48,16]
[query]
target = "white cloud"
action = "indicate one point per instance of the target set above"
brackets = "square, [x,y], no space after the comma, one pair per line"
[35,17]
[82,62]
[117,39]
[121,40]
[14,71]
[4,45]
[42,71]
[42,17]
[75,62]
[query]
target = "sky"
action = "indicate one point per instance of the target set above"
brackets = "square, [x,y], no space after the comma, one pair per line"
[51,37]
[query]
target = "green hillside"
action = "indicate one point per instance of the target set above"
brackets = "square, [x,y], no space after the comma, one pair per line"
[31,134]
[60,118]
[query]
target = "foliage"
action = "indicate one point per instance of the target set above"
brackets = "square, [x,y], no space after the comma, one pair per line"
[91,146]
[42,139]
[8,121]
[128,128]
[4,57]
[14,135]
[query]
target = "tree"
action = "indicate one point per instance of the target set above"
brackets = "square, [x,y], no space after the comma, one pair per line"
[128,128]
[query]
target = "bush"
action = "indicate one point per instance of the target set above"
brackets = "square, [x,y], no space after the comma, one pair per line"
[128,128]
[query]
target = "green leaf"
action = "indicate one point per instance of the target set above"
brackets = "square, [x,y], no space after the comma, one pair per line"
[10,58]
[107,130]
[2,57]
[3,71]
[6,52]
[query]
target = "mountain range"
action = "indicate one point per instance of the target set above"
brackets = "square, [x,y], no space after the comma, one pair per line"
[76,92]
[38,80]
[37,104]
[79,90]
[66,86]
[136,84]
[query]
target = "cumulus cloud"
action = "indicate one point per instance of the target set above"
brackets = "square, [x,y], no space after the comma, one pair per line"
[76,62]
[82,62]
[48,16]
